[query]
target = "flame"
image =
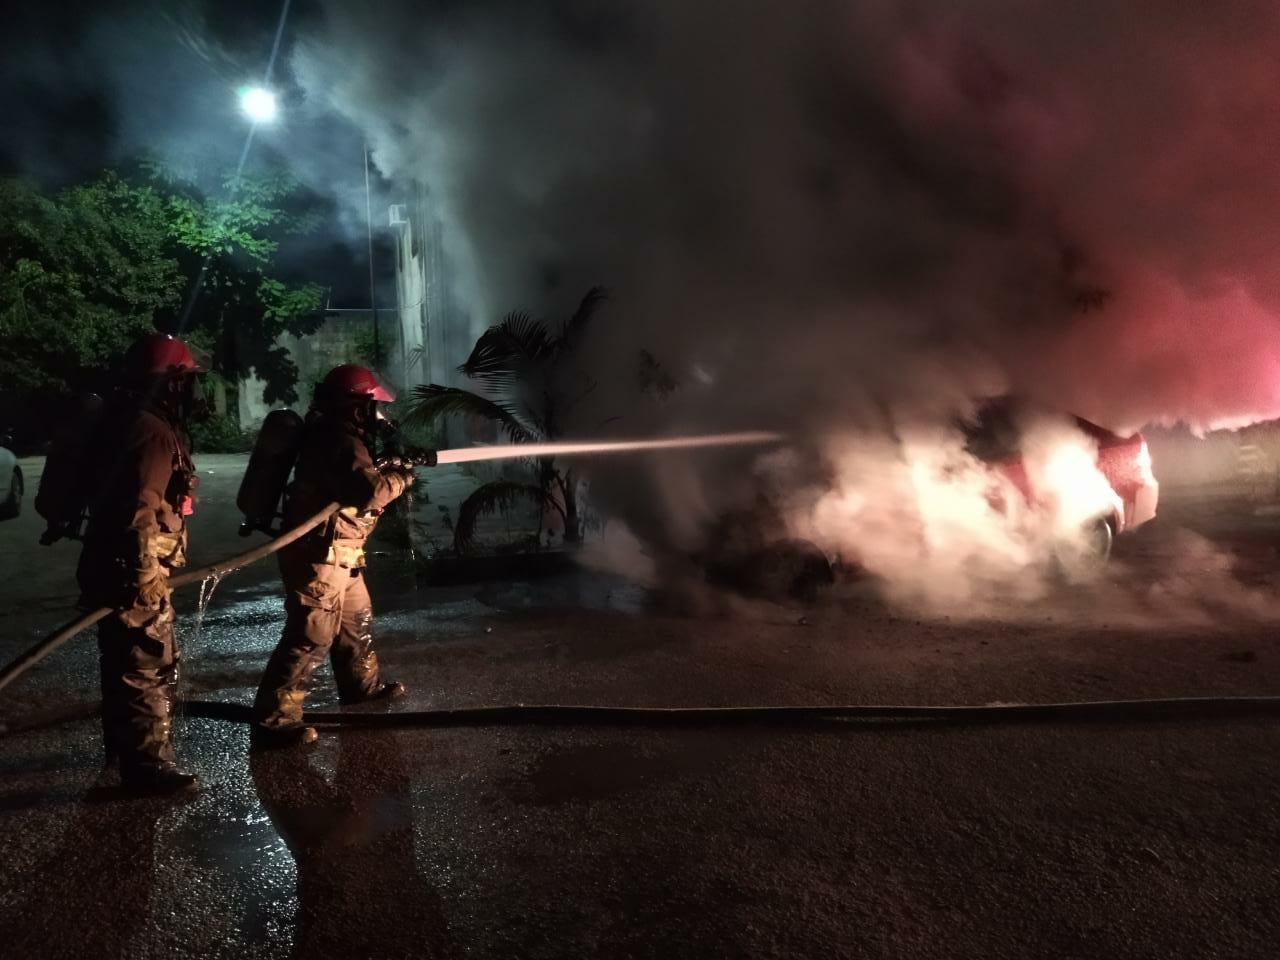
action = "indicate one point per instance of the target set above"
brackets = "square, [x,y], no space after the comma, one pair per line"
[1068,487]
[1145,467]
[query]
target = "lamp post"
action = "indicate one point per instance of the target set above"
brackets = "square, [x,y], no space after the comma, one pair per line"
[368,220]
[259,105]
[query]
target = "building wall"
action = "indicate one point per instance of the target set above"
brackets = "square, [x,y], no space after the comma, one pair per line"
[336,342]
[411,295]
[426,332]
[435,330]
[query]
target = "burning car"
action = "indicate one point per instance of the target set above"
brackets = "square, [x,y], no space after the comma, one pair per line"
[1011,487]
[1108,476]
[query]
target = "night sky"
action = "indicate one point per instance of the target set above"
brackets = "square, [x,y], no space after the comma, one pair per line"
[93,85]
[1041,189]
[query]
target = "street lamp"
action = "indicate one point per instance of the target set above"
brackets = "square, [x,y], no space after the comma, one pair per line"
[258,104]
[368,221]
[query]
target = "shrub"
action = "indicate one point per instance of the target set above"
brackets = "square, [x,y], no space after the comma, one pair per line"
[220,434]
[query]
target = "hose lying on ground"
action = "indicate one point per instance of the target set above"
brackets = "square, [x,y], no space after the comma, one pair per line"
[560,715]
[580,715]
[52,642]
[829,717]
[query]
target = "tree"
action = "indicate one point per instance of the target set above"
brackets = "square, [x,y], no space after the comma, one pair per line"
[371,355]
[227,240]
[528,370]
[85,270]
[82,273]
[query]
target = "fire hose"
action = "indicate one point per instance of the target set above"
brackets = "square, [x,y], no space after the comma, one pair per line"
[1166,708]
[570,715]
[416,457]
[64,633]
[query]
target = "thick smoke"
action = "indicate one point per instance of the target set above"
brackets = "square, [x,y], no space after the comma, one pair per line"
[1085,195]
[846,220]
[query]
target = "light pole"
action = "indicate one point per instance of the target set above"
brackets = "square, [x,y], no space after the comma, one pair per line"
[368,220]
[259,105]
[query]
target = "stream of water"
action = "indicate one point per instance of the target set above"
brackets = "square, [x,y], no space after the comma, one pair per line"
[508,451]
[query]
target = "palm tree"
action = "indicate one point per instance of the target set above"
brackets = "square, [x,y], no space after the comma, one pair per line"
[524,369]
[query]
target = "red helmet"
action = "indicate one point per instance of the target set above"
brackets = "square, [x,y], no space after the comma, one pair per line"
[160,354]
[350,380]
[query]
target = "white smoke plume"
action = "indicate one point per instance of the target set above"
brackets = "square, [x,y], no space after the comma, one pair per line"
[944,530]
[836,218]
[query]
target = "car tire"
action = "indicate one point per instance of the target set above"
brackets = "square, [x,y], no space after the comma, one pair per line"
[12,505]
[1101,537]
[1081,559]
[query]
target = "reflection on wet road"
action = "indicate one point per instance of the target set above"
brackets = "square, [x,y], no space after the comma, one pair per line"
[351,837]
[907,840]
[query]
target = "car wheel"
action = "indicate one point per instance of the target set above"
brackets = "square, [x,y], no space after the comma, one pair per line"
[1083,557]
[12,505]
[1099,538]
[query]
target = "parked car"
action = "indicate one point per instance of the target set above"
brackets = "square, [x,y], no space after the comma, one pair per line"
[995,436]
[11,480]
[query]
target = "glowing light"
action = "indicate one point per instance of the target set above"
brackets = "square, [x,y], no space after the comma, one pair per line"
[1145,465]
[517,450]
[258,104]
[1063,467]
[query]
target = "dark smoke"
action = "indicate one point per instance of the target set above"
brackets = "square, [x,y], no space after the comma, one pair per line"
[817,194]
[830,216]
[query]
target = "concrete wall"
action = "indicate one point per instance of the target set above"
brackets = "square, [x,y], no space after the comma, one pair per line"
[435,328]
[334,343]
[411,295]
[427,332]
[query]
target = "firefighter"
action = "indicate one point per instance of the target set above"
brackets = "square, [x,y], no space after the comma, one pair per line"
[327,606]
[136,535]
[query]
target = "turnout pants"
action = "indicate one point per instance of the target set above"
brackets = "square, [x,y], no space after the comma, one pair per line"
[327,613]
[139,667]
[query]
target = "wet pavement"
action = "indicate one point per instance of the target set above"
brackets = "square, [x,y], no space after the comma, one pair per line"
[884,839]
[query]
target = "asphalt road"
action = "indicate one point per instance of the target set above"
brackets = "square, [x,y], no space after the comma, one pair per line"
[1090,840]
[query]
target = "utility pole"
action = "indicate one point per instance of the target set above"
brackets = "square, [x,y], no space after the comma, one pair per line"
[368,219]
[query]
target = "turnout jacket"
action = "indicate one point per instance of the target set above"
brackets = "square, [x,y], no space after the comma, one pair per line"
[138,501]
[334,464]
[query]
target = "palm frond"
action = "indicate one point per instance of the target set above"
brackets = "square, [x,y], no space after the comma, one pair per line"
[493,496]
[432,402]
[577,323]
[510,351]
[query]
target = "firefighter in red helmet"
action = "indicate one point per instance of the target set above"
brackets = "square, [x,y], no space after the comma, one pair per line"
[136,535]
[327,608]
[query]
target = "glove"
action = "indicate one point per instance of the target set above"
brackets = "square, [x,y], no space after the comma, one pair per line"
[152,590]
[401,479]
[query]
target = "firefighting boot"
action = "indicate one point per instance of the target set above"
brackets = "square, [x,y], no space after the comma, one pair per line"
[355,663]
[384,692]
[277,708]
[281,725]
[279,738]
[157,779]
